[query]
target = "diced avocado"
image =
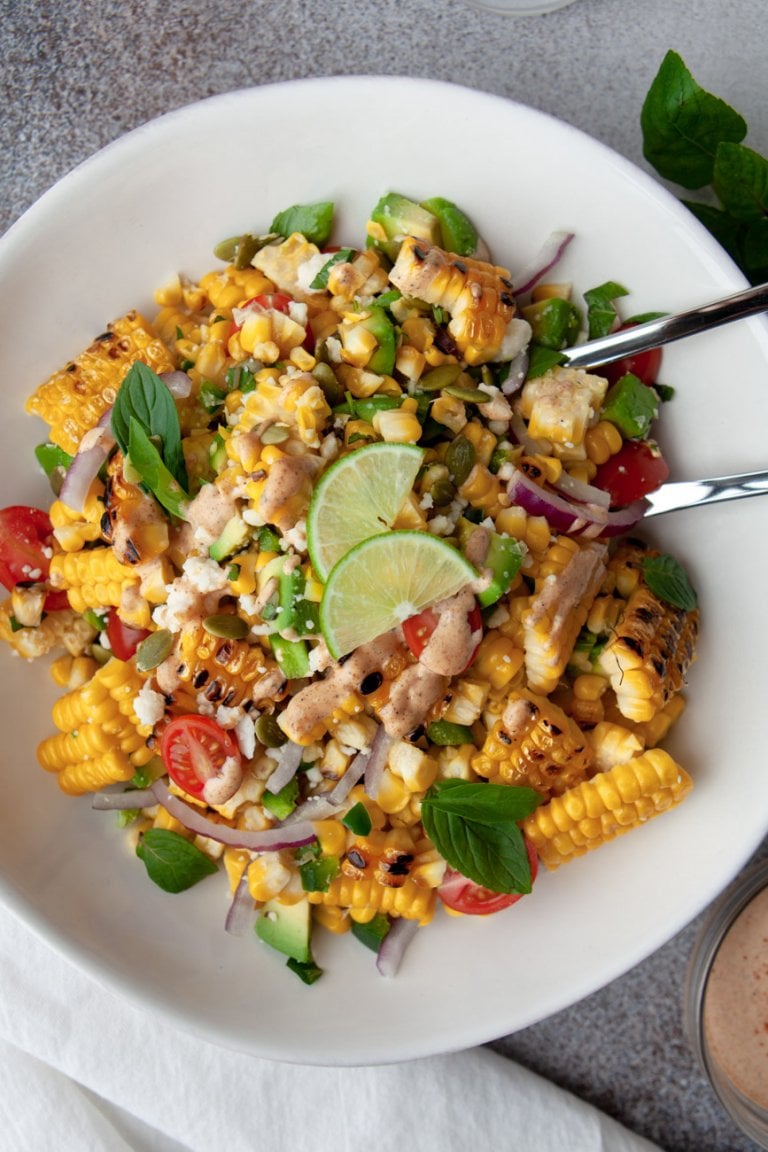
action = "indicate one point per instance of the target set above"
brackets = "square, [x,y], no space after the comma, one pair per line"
[457,232]
[398,217]
[632,406]
[286,928]
[554,322]
[234,536]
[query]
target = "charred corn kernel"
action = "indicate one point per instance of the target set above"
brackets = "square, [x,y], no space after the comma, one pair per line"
[468,697]
[478,295]
[657,728]
[168,823]
[589,687]
[335,920]
[268,876]
[560,405]
[613,744]
[410,362]
[540,468]
[602,441]
[647,657]
[332,837]
[571,577]
[393,795]
[416,770]
[482,489]
[451,412]
[169,295]
[236,861]
[226,672]
[455,763]
[92,579]
[246,564]
[611,803]
[73,530]
[73,400]
[536,745]
[482,440]
[232,286]
[498,660]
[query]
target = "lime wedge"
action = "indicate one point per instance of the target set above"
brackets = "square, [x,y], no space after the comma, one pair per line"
[383,581]
[358,497]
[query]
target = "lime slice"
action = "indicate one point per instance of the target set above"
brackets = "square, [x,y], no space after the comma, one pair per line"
[383,581]
[358,497]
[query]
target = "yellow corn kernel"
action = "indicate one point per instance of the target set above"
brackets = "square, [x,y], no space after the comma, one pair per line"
[211,362]
[602,441]
[226,671]
[589,687]
[397,427]
[73,671]
[247,564]
[611,803]
[482,440]
[467,698]
[613,744]
[302,359]
[657,728]
[335,920]
[232,286]
[540,467]
[482,489]
[498,660]
[416,770]
[332,837]
[393,795]
[410,362]
[451,412]
[167,823]
[170,294]
[92,579]
[235,862]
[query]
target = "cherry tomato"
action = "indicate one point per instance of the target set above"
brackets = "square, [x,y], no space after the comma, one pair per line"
[24,534]
[418,629]
[644,365]
[277,301]
[637,469]
[56,601]
[464,895]
[123,640]
[193,749]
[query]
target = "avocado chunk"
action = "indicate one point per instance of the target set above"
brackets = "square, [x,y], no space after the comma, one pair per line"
[234,536]
[555,323]
[286,928]
[399,217]
[457,232]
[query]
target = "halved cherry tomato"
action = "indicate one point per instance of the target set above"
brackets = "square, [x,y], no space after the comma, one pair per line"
[24,534]
[637,469]
[418,629]
[123,640]
[464,895]
[278,301]
[193,749]
[644,365]
[56,601]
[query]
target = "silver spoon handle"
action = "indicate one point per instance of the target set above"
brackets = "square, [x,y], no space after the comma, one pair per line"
[691,493]
[654,333]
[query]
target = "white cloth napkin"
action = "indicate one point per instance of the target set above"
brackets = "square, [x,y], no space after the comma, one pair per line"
[83,1071]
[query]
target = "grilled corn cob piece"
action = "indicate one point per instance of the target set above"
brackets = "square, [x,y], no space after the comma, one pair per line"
[58,630]
[649,653]
[75,398]
[92,579]
[100,740]
[535,745]
[225,671]
[477,295]
[73,530]
[606,806]
[133,523]
[560,405]
[559,608]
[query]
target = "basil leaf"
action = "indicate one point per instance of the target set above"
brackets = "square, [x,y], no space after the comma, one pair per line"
[667,579]
[601,314]
[50,457]
[148,462]
[145,398]
[341,257]
[682,125]
[740,179]
[314,221]
[475,828]
[172,862]
[541,360]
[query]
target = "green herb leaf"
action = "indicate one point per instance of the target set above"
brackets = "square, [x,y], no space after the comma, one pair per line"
[358,819]
[50,456]
[667,579]
[740,179]
[144,398]
[148,462]
[601,314]
[341,257]
[172,862]
[542,360]
[475,828]
[281,804]
[314,221]
[683,125]
[306,970]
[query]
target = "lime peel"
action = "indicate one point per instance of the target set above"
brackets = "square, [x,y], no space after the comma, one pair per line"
[383,581]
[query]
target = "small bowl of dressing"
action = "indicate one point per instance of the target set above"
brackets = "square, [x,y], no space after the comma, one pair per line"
[726,1001]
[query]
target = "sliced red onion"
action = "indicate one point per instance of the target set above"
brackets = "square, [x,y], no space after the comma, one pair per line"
[546,258]
[394,945]
[241,915]
[377,761]
[123,801]
[581,492]
[314,808]
[573,519]
[519,430]
[178,384]
[354,773]
[270,840]
[518,370]
[288,759]
[94,449]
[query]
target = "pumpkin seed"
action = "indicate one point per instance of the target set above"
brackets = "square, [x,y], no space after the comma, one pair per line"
[468,395]
[440,377]
[152,651]
[460,459]
[226,625]
[275,434]
[269,733]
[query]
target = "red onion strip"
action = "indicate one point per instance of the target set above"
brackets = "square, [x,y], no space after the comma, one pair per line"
[377,761]
[288,759]
[178,384]
[96,446]
[123,801]
[573,519]
[516,373]
[393,946]
[270,840]
[546,258]
[354,773]
[242,910]
[581,492]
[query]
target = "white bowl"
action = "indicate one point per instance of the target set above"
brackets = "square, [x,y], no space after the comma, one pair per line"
[155,203]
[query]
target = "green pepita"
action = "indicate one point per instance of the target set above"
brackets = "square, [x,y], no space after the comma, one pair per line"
[275,434]
[154,650]
[227,626]
[460,459]
[468,395]
[269,733]
[440,377]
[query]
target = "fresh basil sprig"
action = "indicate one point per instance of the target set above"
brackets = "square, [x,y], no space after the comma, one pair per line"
[694,139]
[145,398]
[148,462]
[475,828]
[315,221]
[172,862]
[667,579]
[601,314]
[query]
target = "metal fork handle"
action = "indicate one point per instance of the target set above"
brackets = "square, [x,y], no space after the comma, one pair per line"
[692,493]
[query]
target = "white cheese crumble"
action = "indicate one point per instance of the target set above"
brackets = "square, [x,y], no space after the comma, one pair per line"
[149,705]
[205,575]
